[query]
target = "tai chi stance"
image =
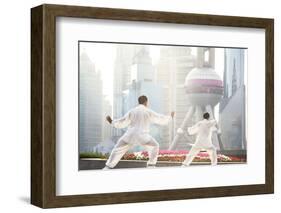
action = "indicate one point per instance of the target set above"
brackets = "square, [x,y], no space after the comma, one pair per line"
[138,121]
[203,130]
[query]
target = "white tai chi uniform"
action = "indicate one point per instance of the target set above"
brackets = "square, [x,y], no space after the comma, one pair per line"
[138,121]
[203,130]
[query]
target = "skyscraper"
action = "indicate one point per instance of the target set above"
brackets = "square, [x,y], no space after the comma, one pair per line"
[90,104]
[174,65]
[232,107]
[143,82]
[234,76]
[106,127]
[122,79]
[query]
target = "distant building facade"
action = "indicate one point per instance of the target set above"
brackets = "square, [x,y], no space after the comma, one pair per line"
[173,66]
[143,82]
[232,107]
[122,79]
[106,127]
[90,105]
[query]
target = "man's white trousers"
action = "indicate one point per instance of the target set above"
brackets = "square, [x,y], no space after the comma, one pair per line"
[122,147]
[195,150]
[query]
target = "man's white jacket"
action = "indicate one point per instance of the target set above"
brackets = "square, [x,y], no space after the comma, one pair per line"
[203,131]
[138,121]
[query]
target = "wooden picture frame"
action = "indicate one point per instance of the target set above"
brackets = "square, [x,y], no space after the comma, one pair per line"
[43,105]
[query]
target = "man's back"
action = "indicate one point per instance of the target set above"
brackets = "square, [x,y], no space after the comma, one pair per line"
[139,118]
[206,127]
[203,130]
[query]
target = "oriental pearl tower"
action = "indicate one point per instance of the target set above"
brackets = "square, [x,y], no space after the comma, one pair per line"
[204,90]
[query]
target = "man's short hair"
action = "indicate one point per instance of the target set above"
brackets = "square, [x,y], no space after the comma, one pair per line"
[206,115]
[142,99]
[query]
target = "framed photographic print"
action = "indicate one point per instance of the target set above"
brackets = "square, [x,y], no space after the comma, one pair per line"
[136,106]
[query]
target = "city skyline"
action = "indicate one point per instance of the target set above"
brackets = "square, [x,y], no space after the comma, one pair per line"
[99,53]
[122,72]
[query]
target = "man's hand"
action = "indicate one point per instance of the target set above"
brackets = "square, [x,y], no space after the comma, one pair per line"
[108,118]
[180,131]
[172,114]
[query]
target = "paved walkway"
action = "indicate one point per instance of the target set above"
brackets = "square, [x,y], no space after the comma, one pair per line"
[95,163]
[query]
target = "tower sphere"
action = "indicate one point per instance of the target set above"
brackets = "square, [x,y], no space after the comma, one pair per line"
[203,87]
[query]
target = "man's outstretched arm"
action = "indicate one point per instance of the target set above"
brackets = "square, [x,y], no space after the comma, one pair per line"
[193,129]
[121,122]
[161,119]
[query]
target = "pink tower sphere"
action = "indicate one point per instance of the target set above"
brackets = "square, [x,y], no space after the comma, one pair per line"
[203,87]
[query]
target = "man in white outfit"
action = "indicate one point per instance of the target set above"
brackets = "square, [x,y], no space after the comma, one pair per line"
[203,131]
[138,121]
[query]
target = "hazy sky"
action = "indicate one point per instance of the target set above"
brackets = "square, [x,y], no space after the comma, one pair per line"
[103,56]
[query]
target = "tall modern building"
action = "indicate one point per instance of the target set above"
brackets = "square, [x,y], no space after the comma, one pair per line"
[174,65]
[122,79]
[143,82]
[90,105]
[106,127]
[232,107]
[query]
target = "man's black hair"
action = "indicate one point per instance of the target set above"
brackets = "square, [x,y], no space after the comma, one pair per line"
[142,99]
[206,115]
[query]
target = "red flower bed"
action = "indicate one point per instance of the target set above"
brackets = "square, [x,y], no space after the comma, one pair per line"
[179,156]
